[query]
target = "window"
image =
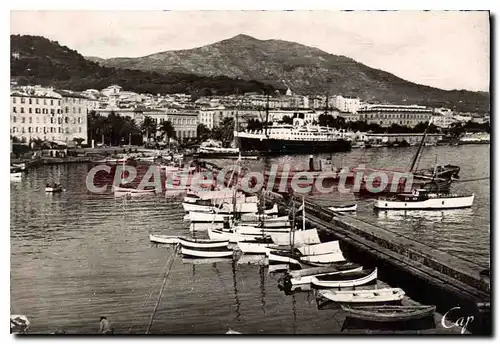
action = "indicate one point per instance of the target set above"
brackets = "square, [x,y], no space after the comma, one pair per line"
[14,109]
[52,102]
[36,101]
[14,119]
[79,110]
[66,109]
[23,120]
[13,100]
[29,100]
[36,130]
[22,109]
[58,102]
[29,109]
[52,111]
[29,129]
[30,120]
[66,120]
[23,100]
[79,129]
[45,102]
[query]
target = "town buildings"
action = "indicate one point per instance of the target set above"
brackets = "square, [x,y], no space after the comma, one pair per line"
[48,115]
[386,115]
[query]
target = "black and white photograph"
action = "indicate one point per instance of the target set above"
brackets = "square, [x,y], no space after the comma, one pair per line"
[252,172]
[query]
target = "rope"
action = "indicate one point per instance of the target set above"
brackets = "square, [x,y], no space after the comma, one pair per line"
[161,290]
[469,180]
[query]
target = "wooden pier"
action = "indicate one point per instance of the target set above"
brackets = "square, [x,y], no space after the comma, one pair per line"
[430,274]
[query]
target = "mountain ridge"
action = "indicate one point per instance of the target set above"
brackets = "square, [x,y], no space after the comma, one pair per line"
[307,70]
[38,60]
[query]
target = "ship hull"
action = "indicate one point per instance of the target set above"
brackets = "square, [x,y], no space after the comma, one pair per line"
[275,146]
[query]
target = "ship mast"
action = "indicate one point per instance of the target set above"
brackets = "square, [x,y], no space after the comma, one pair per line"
[419,151]
[267,114]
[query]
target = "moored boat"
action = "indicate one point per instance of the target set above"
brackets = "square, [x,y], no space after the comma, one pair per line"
[383,295]
[345,208]
[195,216]
[254,246]
[334,257]
[300,238]
[164,239]
[394,313]
[202,243]
[194,252]
[322,248]
[307,279]
[323,270]
[424,200]
[351,279]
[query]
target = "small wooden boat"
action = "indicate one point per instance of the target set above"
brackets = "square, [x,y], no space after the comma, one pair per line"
[253,247]
[351,279]
[384,295]
[300,238]
[54,188]
[208,217]
[283,257]
[323,269]
[388,313]
[164,239]
[307,279]
[193,252]
[250,230]
[322,248]
[217,234]
[202,243]
[199,206]
[345,208]
[324,258]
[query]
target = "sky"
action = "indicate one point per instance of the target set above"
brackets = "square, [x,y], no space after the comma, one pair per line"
[448,50]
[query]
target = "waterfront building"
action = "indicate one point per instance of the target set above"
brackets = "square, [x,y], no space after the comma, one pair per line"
[443,121]
[386,115]
[185,123]
[48,115]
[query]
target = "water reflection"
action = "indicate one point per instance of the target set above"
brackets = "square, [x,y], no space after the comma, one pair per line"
[235,288]
[262,273]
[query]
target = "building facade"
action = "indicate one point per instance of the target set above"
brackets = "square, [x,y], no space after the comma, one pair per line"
[48,116]
[185,123]
[386,115]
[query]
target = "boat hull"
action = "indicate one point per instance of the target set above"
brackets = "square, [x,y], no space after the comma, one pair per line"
[429,204]
[300,238]
[355,281]
[195,216]
[252,247]
[364,296]
[203,244]
[188,252]
[324,258]
[275,146]
[308,279]
[164,239]
[389,313]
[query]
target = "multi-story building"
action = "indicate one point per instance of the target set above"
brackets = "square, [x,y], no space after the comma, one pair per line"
[442,121]
[74,108]
[347,104]
[386,115]
[36,116]
[54,116]
[185,123]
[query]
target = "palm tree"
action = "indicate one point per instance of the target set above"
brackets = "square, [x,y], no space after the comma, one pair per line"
[148,127]
[167,130]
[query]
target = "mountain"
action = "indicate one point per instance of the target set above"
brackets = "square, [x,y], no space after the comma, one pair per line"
[305,69]
[37,60]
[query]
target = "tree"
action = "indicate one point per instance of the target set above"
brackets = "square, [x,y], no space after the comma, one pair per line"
[148,127]
[167,130]
[224,132]
[202,132]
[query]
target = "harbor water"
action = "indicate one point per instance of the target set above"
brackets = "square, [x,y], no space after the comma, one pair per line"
[77,255]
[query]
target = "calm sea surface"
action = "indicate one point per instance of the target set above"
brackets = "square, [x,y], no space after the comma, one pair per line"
[76,256]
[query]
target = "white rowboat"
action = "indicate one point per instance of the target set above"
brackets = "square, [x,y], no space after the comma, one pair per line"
[308,279]
[202,243]
[345,280]
[322,248]
[364,296]
[188,252]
